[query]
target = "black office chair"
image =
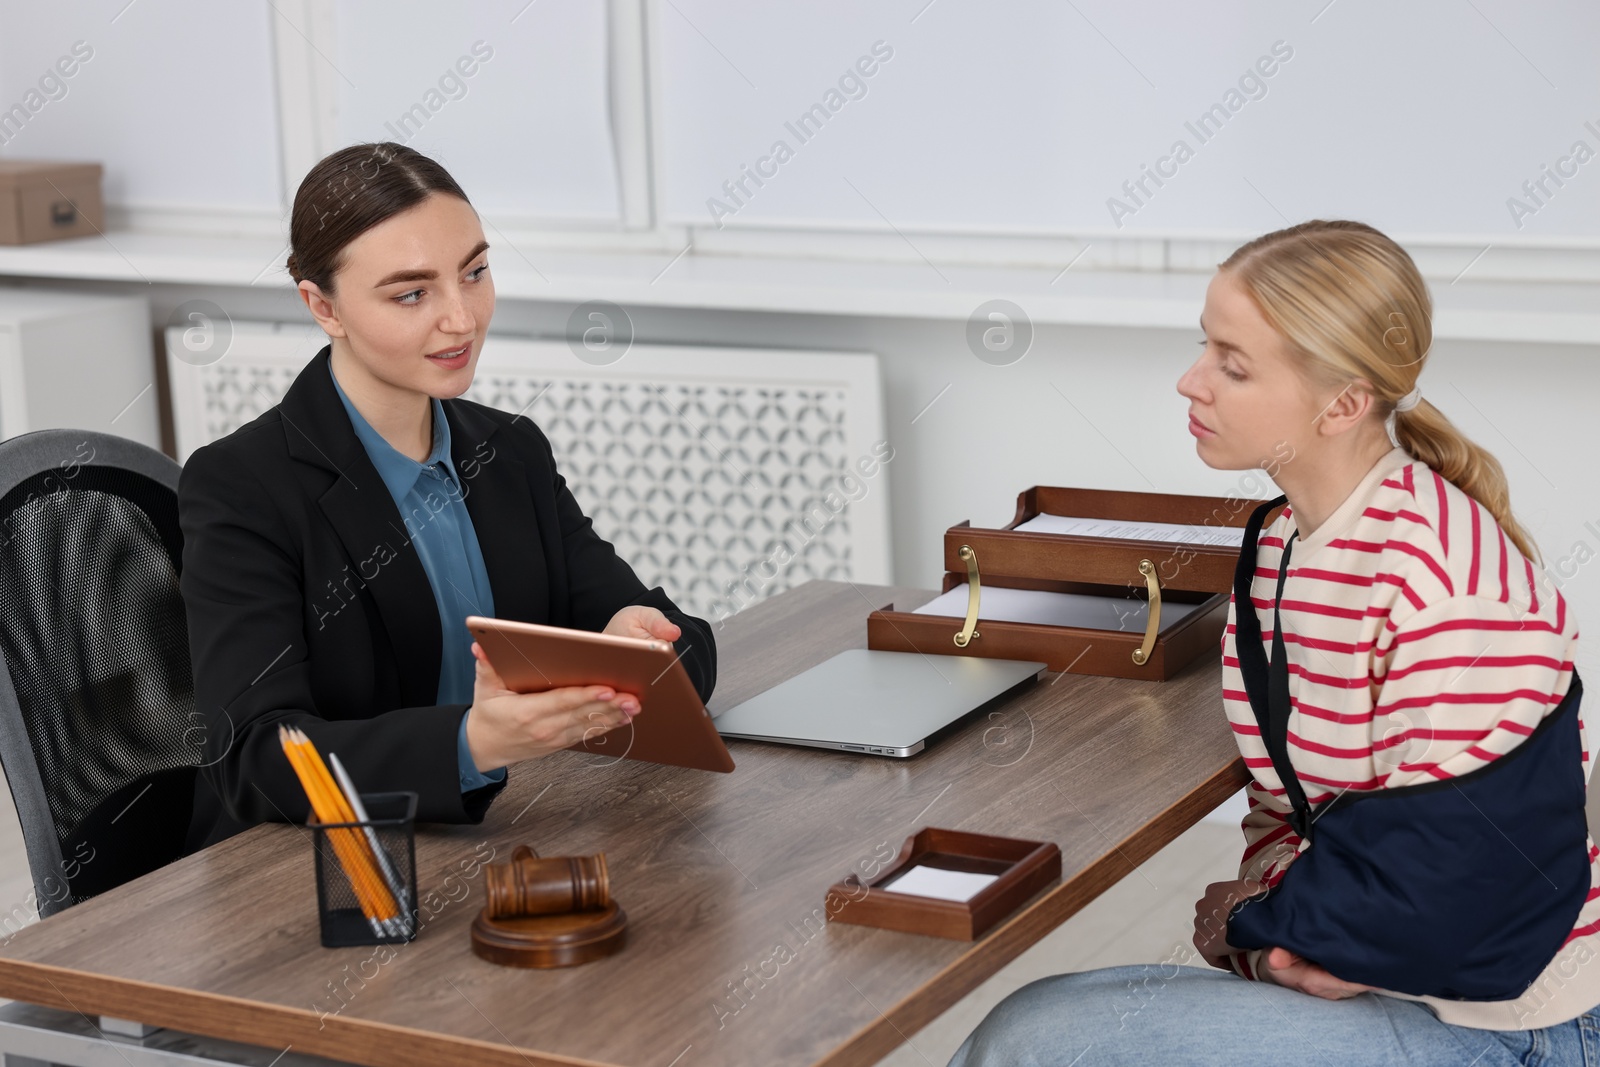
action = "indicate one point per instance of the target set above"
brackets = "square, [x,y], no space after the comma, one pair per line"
[98,736]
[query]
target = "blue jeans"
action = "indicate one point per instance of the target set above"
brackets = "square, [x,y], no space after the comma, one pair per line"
[1147,1015]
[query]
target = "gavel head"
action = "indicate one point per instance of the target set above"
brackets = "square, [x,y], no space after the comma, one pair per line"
[529,885]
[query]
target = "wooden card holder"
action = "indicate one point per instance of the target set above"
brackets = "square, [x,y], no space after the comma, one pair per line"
[1163,571]
[1023,867]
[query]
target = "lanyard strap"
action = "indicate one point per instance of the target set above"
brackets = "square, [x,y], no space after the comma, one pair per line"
[1267,685]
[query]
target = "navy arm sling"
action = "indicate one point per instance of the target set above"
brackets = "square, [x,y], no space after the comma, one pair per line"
[1463,888]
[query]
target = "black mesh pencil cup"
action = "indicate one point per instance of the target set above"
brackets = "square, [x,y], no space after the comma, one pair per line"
[367,873]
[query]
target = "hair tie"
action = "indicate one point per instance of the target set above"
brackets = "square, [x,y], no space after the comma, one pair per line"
[1405,403]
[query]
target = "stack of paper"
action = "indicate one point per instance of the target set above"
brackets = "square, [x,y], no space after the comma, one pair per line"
[939,883]
[1135,531]
[1055,609]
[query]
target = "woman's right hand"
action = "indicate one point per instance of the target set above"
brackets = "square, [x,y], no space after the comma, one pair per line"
[1282,967]
[504,727]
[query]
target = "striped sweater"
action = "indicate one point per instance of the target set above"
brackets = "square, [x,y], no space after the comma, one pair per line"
[1421,646]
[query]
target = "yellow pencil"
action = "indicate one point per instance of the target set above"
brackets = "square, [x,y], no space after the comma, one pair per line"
[344,842]
[322,811]
[388,909]
[365,862]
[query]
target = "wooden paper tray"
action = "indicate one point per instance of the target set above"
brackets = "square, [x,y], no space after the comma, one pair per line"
[1077,650]
[1024,868]
[1111,561]
[1199,574]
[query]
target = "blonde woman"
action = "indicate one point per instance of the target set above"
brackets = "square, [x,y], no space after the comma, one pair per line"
[1415,886]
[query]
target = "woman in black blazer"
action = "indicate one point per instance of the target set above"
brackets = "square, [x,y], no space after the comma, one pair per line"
[313,602]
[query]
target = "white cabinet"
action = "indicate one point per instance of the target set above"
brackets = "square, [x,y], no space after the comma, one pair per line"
[77,361]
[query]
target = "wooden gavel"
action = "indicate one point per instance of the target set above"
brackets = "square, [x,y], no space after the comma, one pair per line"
[529,885]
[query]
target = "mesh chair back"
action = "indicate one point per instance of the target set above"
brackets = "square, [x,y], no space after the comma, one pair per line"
[98,734]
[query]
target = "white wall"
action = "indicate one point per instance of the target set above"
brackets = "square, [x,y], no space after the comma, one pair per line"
[998,430]
[526,132]
[1007,116]
[1420,117]
[178,102]
[992,131]
[187,102]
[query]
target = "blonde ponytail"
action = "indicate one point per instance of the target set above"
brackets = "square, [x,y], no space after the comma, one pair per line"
[1428,435]
[1350,304]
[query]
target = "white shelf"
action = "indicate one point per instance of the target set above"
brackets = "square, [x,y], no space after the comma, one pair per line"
[1555,312]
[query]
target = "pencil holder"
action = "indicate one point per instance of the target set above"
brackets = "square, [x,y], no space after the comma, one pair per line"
[367,873]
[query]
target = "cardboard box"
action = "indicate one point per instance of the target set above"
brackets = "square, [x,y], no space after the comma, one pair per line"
[42,201]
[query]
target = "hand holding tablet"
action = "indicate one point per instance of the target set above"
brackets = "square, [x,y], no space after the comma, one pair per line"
[505,727]
[671,726]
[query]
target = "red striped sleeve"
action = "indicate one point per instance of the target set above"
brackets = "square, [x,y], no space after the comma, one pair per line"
[1429,700]
[1331,681]
[1305,707]
[1443,662]
[1472,573]
[1311,798]
[1357,752]
[1270,837]
[1485,625]
[1427,733]
[1444,512]
[1505,565]
[1336,783]
[1412,596]
[1310,608]
[1429,562]
[1581,931]
[1390,516]
[1292,638]
[1350,545]
[1324,575]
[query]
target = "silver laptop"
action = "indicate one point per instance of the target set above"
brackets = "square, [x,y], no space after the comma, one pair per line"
[885,703]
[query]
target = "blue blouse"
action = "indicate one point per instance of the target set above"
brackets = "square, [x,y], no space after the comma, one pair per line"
[429,497]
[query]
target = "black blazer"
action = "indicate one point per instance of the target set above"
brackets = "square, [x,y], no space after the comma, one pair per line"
[308,605]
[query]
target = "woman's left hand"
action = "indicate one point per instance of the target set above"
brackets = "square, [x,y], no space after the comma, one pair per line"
[639,620]
[1211,919]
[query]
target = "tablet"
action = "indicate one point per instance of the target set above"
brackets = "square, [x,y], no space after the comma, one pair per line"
[672,727]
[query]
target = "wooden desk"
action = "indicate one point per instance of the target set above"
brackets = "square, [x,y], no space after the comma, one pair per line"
[715,871]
